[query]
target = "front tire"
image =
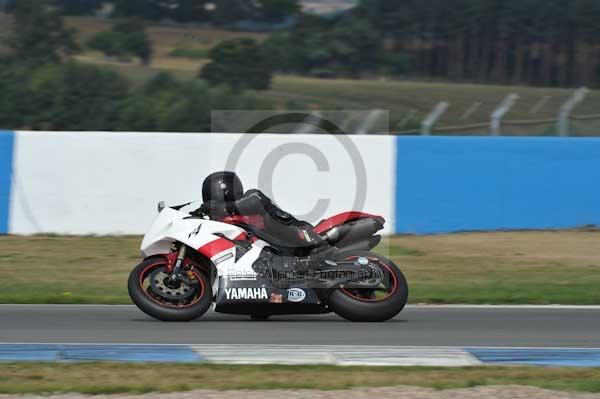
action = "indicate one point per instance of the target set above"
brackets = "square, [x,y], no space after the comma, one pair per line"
[362,305]
[152,304]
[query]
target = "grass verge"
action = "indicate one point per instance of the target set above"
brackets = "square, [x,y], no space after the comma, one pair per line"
[533,267]
[107,378]
[47,269]
[517,267]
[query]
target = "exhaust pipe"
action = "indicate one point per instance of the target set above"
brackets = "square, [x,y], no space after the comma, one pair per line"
[353,232]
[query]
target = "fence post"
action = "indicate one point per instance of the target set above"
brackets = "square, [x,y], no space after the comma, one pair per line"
[407,117]
[567,108]
[500,111]
[471,110]
[307,127]
[433,117]
[538,106]
[369,121]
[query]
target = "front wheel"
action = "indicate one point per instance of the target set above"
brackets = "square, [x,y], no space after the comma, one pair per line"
[373,304]
[152,291]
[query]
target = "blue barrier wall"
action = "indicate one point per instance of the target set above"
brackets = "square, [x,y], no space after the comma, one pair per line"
[6,159]
[449,184]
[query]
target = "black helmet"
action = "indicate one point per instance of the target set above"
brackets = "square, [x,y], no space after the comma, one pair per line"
[222,187]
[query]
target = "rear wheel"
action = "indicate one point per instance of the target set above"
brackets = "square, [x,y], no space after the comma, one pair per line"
[373,304]
[152,291]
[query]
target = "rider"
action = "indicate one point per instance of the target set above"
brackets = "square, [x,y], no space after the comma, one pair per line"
[223,195]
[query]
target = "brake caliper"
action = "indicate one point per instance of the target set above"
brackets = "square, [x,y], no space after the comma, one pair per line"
[171,259]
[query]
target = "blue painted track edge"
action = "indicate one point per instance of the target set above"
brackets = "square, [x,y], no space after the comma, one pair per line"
[566,357]
[91,352]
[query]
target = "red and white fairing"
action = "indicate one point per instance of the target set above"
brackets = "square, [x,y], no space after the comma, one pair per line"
[207,237]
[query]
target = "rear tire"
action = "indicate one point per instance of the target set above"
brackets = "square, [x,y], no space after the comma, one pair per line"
[354,308]
[163,312]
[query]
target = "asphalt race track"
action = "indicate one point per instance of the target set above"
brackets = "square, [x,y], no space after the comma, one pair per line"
[577,327]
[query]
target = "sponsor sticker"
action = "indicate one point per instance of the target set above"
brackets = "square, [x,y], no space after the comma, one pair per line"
[296,295]
[276,298]
[242,278]
[223,258]
[246,293]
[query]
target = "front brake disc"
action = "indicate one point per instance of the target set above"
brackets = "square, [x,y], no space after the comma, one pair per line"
[159,281]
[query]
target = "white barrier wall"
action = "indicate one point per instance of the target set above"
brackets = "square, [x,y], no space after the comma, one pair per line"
[110,183]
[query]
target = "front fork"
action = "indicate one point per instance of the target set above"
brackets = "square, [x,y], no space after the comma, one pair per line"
[176,272]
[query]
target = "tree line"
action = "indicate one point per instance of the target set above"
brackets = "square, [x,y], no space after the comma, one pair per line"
[533,42]
[42,88]
[219,12]
[538,42]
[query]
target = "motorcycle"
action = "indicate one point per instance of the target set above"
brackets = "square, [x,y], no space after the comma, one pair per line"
[192,262]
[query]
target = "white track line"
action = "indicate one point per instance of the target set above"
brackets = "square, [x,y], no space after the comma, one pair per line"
[336,355]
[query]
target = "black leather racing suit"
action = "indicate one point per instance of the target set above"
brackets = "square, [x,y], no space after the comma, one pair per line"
[278,223]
